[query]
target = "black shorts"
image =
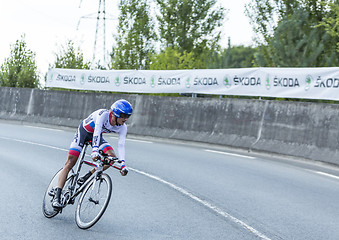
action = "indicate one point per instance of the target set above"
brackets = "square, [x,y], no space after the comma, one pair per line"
[81,137]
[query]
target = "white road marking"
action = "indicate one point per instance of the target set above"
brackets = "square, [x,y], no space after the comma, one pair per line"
[38,144]
[133,140]
[179,189]
[231,154]
[206,204]
[326,174]
[51,129]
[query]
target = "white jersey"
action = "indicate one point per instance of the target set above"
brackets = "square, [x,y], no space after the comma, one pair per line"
[98,122]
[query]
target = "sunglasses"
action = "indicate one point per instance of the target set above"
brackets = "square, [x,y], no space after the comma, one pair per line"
[124,115]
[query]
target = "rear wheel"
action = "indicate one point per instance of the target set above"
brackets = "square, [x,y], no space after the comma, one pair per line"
[47,207]
[93,202]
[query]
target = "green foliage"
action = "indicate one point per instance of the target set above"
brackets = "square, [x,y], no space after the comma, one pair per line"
[237,57]
[287,34]
[191,25]
[70,57]
[188,30]
[20,70]
[265,14]
[331,21]
[297,43]
[233,57]
[136,36]
[241,57]
[172,59]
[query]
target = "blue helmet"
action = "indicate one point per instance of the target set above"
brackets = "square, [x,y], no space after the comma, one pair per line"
[122,106]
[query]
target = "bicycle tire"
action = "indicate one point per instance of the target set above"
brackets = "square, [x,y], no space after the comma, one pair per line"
[93,202]
[47,207]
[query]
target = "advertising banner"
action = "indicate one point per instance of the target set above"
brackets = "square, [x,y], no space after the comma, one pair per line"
[311,83]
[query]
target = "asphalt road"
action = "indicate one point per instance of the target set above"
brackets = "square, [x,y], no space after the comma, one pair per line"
[174,190]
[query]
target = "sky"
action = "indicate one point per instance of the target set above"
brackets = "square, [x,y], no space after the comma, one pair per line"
[48,25]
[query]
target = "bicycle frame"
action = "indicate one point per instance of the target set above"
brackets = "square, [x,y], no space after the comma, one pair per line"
[73,191]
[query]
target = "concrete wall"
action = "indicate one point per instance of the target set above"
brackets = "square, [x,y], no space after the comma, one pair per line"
[307,130]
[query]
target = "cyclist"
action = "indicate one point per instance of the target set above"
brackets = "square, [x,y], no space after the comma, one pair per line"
[91,129]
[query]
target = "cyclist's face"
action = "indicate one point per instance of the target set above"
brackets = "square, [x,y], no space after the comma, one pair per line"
[122,119]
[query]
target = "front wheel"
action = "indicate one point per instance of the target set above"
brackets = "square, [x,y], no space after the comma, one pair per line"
[93,202]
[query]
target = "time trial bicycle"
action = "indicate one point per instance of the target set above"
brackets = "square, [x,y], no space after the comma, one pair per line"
[95,192]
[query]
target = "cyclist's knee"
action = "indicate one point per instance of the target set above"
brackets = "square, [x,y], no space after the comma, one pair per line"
[111,153]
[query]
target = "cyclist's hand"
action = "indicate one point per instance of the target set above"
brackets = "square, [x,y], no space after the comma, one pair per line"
[124,171]
[95,155]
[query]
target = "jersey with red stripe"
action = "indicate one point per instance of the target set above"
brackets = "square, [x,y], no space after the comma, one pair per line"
[98,122]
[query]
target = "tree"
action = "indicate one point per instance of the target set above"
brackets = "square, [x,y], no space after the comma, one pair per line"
[136,36]
[172,59]
[287,34]
[237,57]
[232,57]
[265,14]
[296,43]
[331,22]
[241,57]
[190,25]
[70,57]
[20,69]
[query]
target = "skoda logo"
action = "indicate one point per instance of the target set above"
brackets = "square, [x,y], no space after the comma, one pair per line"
[117,81]
[82,79]
[308,82]
[227,81]
[153,82]
[268,82]
[188,84]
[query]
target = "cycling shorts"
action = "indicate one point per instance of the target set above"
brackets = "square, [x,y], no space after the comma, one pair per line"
[81,137]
